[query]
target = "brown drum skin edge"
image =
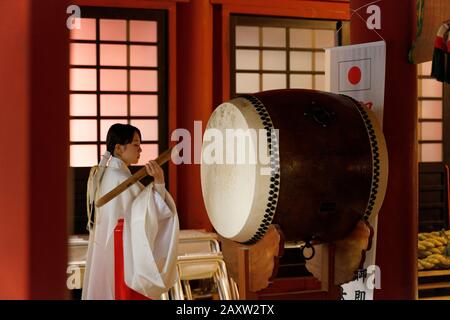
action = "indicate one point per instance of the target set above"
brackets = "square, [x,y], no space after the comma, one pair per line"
[326,163]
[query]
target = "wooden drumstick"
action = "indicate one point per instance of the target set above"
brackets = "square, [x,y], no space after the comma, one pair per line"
[141,173]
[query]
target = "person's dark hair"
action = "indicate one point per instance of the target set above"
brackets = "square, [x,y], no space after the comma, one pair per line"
[120,134]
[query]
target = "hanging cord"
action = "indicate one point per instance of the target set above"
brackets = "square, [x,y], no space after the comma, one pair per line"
[355,11]
[93,186]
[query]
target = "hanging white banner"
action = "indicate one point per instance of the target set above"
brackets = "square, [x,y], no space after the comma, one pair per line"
[358,71]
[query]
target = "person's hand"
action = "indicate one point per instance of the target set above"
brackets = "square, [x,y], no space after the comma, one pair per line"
[153,169]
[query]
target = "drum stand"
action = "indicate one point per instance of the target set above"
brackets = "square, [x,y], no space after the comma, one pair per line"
[247,271]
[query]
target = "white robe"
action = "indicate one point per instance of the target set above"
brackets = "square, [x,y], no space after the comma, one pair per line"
[150,238]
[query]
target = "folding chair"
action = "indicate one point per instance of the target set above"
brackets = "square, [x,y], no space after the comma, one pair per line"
[200,258]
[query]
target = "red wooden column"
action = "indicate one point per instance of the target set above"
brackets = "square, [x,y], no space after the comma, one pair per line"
[14,237]
[34,157]
[397,227]
[194,96]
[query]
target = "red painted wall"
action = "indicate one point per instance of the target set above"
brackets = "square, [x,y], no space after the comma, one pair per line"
[397,224]
[34,135]
[14,237]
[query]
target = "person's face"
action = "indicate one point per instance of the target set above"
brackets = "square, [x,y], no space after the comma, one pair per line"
[130,152]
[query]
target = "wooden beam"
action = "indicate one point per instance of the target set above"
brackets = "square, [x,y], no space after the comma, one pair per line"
[289,8]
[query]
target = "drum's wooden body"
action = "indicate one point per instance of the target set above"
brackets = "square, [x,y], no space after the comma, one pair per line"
[328,167]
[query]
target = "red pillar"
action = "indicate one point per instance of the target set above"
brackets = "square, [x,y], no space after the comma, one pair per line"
[397,227]
[14,237]
[194,96]
[34,158]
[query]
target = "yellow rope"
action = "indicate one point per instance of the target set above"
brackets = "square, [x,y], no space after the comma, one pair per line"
[432,250]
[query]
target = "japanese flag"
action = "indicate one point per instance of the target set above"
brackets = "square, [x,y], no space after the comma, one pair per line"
[358,71]
[354,75]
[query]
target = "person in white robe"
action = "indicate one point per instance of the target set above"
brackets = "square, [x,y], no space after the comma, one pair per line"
[151,227]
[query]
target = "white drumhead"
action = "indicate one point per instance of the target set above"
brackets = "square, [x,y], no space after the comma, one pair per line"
[235,171]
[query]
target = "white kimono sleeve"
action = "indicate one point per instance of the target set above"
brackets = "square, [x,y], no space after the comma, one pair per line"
[150,242]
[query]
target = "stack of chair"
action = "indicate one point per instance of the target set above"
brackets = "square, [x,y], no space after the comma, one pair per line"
[77,251]
[200,258]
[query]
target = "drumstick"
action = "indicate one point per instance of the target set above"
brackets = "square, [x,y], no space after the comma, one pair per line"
[141,173]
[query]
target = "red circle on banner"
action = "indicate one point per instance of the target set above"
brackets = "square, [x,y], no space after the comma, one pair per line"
[354,75]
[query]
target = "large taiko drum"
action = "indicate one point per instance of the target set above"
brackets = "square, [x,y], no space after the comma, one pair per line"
[325,165]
